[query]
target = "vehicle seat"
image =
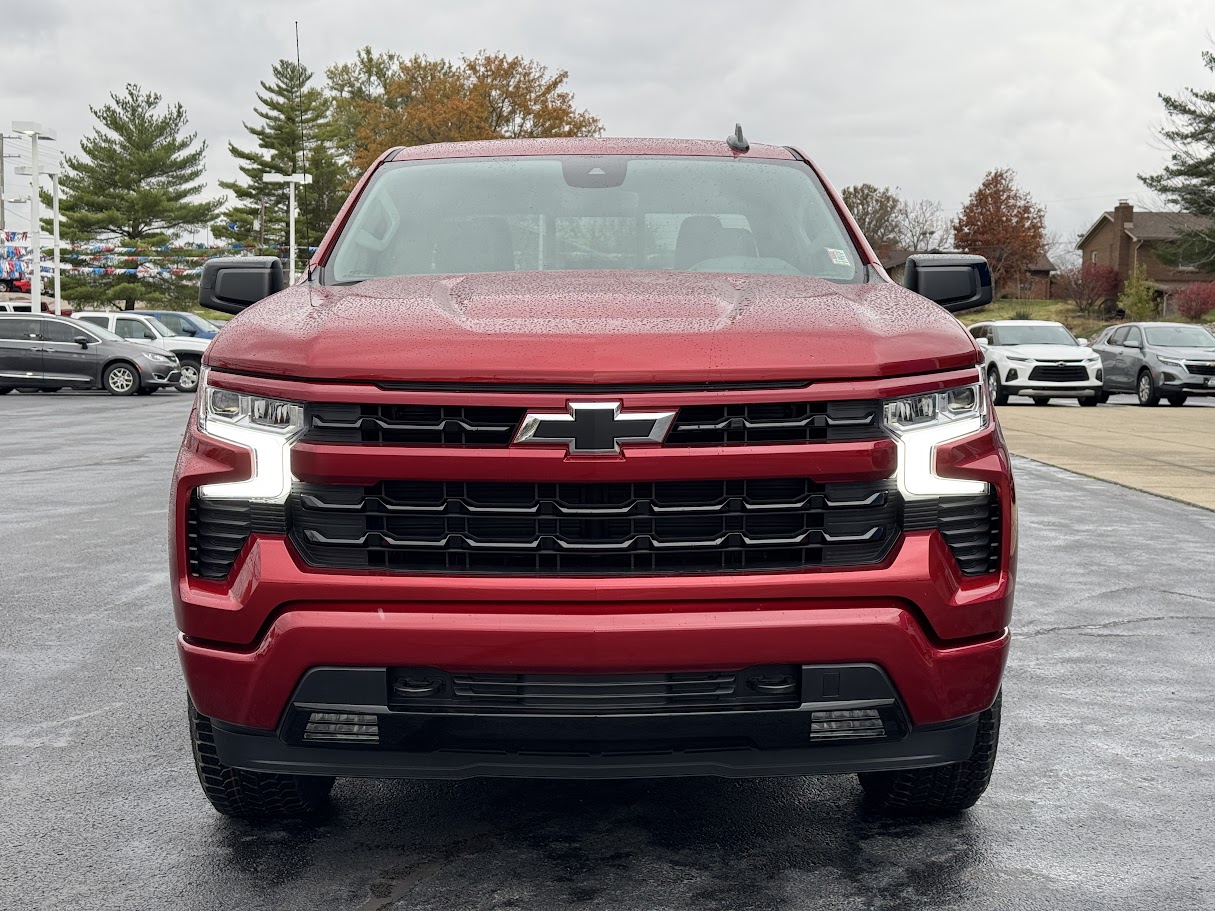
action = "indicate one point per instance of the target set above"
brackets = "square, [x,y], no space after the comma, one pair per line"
[698,240]
[480,244]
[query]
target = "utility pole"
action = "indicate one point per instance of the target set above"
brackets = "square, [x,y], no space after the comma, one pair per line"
[291,180]
[34,131]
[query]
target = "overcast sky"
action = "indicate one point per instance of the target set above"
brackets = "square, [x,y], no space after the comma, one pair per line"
[924,96]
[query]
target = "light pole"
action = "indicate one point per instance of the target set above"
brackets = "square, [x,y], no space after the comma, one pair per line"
[34,131]
[53,172]
[18,200]
[291,180]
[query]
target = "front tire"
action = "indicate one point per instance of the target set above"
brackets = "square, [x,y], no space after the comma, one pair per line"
[1177,400]
[252,795]
[995,390]
[1040,401]
[121,379]
[1091,402]
[188,381]
[1146,391]
[938,790]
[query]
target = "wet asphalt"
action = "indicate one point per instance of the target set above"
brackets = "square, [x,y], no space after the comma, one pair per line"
[1103,798]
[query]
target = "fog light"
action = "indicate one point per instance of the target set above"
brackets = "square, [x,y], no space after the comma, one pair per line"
[846,724]
[342,727]
[1010,376]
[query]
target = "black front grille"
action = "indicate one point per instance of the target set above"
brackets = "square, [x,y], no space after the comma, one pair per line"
[1064,373]
[433,690]
[1201,369]
[217,531]
[970,526]
[569,529]
[416,425]
[775,422]
[494,426]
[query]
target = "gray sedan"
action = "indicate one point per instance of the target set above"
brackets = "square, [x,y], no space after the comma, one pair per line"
[1158,360]
[50,353]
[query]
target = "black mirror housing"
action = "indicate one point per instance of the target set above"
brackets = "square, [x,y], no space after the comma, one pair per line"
[956,281]
[82,341]
[231,283]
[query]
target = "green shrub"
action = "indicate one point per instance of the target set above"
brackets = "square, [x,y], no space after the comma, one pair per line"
[1138,297]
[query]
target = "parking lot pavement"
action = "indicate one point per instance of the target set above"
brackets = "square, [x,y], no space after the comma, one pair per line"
[1101,800]
[1165,450]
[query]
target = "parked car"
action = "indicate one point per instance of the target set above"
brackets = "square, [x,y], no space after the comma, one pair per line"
[184,323]
[50,353]
[1038,359]
[1158,360]
[136,325]
[19,306]
[593,459]
[15,285]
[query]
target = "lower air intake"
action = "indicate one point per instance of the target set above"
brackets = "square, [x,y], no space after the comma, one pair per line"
[846,724]
[342,727]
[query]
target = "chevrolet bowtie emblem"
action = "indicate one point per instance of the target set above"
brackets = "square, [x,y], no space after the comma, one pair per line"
[595,428]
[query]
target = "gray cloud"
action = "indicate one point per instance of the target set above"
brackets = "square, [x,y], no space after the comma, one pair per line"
[925,96]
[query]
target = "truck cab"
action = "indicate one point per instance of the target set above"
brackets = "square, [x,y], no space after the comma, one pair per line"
[593,459]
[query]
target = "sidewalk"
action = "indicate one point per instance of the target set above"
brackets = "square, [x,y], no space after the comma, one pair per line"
[1164,450]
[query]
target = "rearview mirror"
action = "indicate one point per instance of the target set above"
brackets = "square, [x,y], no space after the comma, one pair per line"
[955,281]
[232,283]
[82,341]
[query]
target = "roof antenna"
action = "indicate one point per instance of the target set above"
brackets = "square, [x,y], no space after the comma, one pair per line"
[738,142]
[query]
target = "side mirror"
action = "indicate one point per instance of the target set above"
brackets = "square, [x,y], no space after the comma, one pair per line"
[82,341]
[232,283]
[1082,342]
[149,334]
[1130,344]
[983,343]
[955,281]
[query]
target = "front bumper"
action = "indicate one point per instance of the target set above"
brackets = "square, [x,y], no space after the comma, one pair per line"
[560,744]
[157,375]
[1173,381]
[1037,390]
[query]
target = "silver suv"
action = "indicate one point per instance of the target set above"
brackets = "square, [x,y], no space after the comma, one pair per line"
[1158,360]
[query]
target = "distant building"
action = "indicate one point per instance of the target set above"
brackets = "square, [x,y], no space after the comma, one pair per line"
[1036,285]
[1126,239]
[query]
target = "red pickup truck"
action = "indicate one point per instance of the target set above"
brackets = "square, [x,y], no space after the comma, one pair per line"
[592,459]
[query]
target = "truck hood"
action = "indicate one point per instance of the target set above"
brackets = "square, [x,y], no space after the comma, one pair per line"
[593,327]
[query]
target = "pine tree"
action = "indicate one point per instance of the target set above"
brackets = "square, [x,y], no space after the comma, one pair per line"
[136,183]
[293,136]
[1188,180]
[138,177]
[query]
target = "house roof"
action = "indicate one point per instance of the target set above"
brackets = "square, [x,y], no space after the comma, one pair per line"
[1151,225]
[1042,264]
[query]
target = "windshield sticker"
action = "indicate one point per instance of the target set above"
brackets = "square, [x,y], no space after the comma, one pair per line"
[839,257]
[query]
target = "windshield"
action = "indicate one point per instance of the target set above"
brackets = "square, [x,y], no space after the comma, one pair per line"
[1033,335]
[590,212]
[160,328]
[1179,337]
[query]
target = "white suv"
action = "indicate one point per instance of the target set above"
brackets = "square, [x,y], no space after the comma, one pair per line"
[140,327]
[1038,359]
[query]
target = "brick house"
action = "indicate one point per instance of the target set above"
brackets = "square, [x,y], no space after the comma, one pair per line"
[1125,239]
[1036,285]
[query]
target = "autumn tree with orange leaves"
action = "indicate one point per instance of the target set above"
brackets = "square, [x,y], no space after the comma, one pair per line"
[383,100]
[1002,222]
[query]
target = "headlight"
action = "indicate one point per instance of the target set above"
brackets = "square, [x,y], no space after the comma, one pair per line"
[264,426]
[158,358]
[1018,360]
[1171,361]
[920,423]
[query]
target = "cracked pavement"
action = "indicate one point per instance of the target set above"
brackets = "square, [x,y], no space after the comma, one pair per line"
[1102,795]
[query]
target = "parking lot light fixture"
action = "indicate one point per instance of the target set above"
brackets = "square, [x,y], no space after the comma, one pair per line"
[53,172]
[35,131]
[291,180]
